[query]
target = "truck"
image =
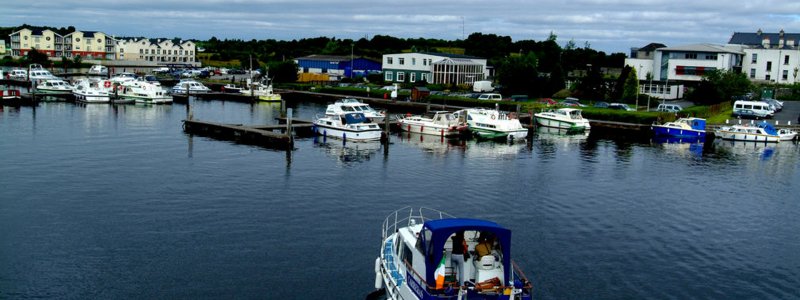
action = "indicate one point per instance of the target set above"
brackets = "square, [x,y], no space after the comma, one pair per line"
[482,86]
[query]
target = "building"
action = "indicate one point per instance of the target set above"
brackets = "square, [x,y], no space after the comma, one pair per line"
[682,65]
[44,41]
[769,57]
[156,50]
[334,67]
[89,45]
[437,68]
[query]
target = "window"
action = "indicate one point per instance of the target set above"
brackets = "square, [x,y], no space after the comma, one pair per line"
[401,61]
[752,73]
[766,77]
[423,76]
[424,61]
[389,60]
[414,61]
[388,76]
[785,74]
[711,56]
[786,60]
[755,58]
[769,66]
[690,55]
[401,76]
[412,77]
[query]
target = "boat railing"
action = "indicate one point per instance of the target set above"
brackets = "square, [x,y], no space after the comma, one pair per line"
[407,216]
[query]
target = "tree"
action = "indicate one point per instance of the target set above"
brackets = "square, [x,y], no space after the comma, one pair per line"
[36,57]
[631,88]
[518,74]
[77,61]
[284,71]
[719,86]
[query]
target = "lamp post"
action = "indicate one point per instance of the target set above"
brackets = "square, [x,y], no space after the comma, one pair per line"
[351,59]
[638,89]
[650,90]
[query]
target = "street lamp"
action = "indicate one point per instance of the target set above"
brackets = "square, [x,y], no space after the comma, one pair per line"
[637,86]
[351,59]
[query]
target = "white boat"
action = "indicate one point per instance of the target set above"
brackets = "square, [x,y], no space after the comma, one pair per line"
[349,105]
[494,124]
[98,70]
[568,118]
[748,133]
[123,77]
[348,127]
[787,134]
[440,123]
[53,86]
[417,258]
[231,88]
[89,91]
[192,86]
[39,75]
[144,92]
[262,90]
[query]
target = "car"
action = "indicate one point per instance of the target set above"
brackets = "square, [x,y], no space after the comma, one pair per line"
[547,101]
[491,96]
[749,114]
[519,98]
[161,70]
[620,106]
[572,102]
[774,104]
[669,108]
[601,104]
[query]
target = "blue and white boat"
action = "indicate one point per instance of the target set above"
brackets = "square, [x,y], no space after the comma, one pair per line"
[682,128]
[417,261]
[348,127]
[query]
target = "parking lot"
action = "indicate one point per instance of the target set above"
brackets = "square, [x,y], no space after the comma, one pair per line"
[790,112]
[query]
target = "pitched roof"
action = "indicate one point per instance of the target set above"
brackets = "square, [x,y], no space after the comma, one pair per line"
[450,55]
[652,47]
[318,57]
[756,38]
[703,48]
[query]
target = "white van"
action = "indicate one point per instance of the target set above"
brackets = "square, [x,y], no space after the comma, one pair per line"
[482,86]
[756,106]
[495,97]
[669,108]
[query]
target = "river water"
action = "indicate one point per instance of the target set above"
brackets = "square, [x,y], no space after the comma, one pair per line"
[107,202]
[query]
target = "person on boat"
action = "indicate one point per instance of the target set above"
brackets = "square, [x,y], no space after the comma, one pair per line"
[485,245]
[460,255]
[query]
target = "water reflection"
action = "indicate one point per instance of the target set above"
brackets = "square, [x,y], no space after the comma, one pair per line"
[347,153]
[431,144]
[762,151]
[687,147]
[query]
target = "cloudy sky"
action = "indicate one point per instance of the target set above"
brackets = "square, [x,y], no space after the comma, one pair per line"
[607,25]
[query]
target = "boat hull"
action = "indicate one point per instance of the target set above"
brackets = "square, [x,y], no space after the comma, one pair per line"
[665,131]
[432,129]
[92,98]
[555,123]
[348,135]
[491,134]
[737,136]
[270,98]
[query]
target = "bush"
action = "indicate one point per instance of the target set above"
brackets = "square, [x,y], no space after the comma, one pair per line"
[564,93]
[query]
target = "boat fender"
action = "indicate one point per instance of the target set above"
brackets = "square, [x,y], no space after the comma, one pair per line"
[378,279]
[492,117]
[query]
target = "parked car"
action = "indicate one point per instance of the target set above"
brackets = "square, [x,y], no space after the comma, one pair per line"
[601,104]
[572,102]
[749,114]
[519,98]
[547,101]
[161,70]
[774,104]
[669,108]
[490,96]
[620,106]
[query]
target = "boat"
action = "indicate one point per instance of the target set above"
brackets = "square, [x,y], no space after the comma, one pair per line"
[123,77]
[192,86]
[762,133]
[9,94]
[681,128]
[38,75]
[348,105]
[53,86]
[416,258]
[440,123]
[98,70]
[90,91]
[787,134]
[144,92]
[262,91]
[494,124]
[231,89]
[568,118]
[347,126]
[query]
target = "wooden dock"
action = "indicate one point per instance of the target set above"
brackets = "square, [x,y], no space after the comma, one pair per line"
[254,135]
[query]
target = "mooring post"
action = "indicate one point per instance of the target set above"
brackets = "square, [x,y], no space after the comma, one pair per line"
[428,107]
[289,125]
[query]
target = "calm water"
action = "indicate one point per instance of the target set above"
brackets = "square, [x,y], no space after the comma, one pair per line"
[104,202]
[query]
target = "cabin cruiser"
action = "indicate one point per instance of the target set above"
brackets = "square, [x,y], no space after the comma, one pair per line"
[40,75]
[418,258]
[192,86]
[568,118]
[348,127]
[53,86]
[262,90]
[349,105]
[231,89]
[764,132]
[494,124]
[787,134]
[123,77]
[440,123]
[90,91]
[144,92]
[681,128]
[98,70]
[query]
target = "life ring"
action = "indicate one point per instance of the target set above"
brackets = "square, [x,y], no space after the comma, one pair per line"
[492,117]
[107,84]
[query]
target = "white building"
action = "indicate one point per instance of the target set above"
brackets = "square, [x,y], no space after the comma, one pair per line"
[156,50]
[437,68]
[769,57]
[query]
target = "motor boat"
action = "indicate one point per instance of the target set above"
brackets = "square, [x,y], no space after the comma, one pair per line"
[764,132]
[417,260]
[787,134]
[123,77]
[681,128]
[192,86]
[98,70]
[262,91]
[90,91]
[568,118]
[439,123]
[349,105]
[144,92]
[494,124]
[56,86]
[231,89]
[347,126]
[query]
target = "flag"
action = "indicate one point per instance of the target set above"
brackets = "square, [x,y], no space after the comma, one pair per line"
[440,274]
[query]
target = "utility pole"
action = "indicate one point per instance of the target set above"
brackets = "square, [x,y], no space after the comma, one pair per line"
[351,59]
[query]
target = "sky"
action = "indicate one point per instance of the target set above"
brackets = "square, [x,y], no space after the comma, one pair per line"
[606,25]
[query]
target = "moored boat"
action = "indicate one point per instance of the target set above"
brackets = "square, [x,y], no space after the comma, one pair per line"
[349,105]
[347,126]
[681,128]
[98,70]
[567,118]
[231,89]
[262,91]
[56,86]
[440,123]
[90,91]
[429,254]
[787,134]
[144,92]
[192,86]
[762,133]
[494,124]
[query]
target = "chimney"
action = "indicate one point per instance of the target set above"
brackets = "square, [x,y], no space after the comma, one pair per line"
[790,43]
[765,42]
[759,32]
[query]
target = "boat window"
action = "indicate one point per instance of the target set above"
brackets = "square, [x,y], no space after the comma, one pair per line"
[407,255]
